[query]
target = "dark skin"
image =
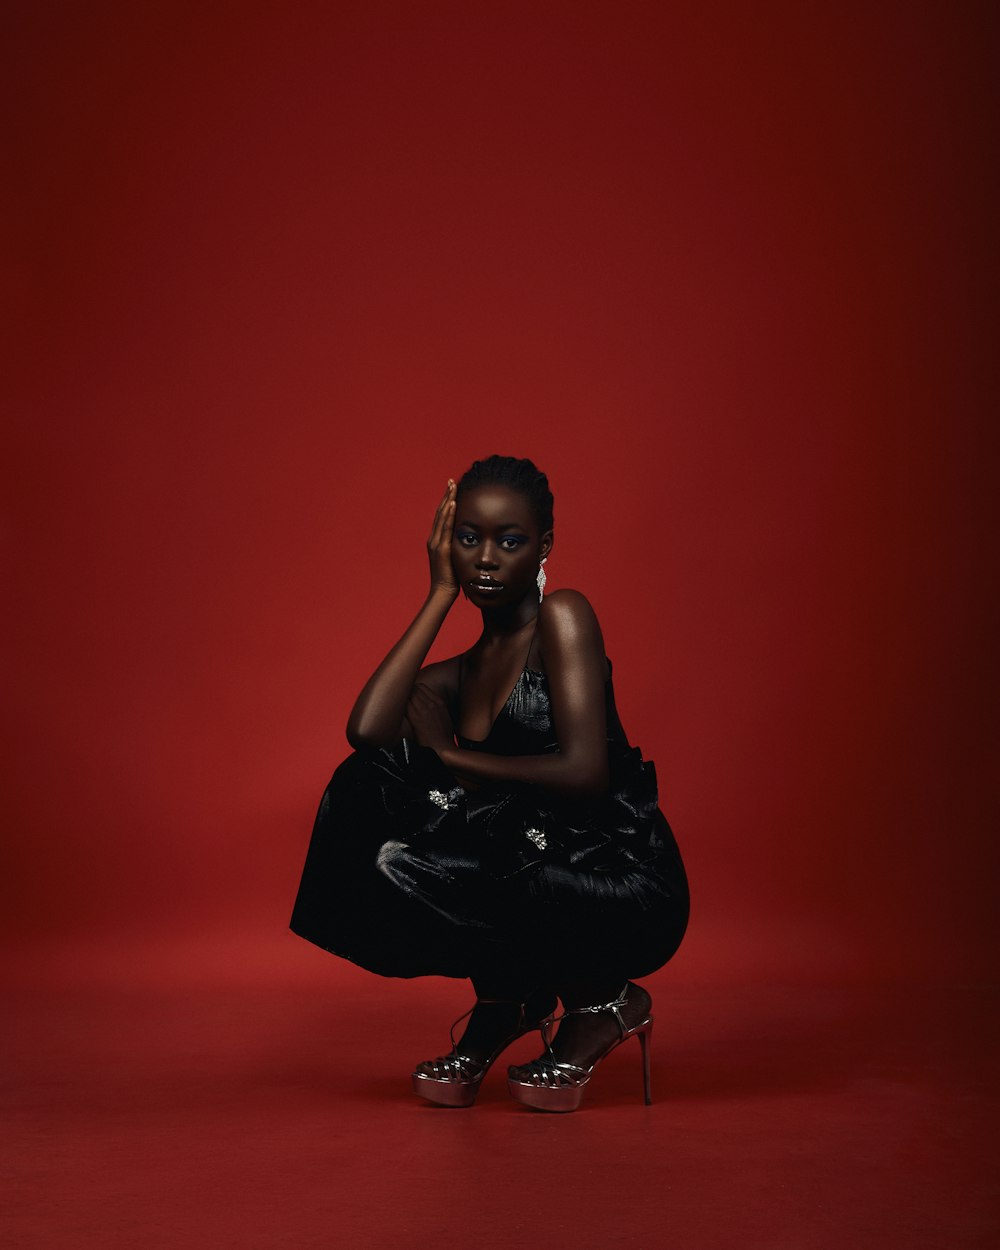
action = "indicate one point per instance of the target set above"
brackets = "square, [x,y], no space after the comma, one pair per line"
[492,531]
[495,534]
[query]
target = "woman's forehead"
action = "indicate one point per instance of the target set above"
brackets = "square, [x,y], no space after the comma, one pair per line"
[493,504]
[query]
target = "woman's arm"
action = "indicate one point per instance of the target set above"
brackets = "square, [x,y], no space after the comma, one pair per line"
[577,670]
[377,718]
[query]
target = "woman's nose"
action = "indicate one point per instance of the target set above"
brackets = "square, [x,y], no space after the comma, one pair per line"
[486,558]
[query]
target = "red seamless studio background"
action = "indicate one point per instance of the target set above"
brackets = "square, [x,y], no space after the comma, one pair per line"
[727,283]
[726,273]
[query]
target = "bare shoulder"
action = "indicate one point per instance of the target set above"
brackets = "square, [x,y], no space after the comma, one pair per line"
[441,676]
[567,609]
[569,626]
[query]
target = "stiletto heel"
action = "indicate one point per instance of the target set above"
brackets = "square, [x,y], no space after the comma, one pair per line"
[645,1036]
[550,1085]
[453,1080]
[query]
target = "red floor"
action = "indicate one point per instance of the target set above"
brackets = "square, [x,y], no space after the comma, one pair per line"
[214,1111]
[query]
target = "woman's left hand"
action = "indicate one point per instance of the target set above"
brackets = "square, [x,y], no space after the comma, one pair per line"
[428,714]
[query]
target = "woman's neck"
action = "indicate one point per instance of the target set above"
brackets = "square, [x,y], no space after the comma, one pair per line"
[507,622]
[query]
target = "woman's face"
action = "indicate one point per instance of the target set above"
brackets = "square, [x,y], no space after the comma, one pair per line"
[496,538]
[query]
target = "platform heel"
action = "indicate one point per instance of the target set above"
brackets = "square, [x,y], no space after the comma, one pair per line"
[453,1080]
[550,1085]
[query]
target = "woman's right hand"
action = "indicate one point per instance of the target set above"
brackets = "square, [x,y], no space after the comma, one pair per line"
[439,543]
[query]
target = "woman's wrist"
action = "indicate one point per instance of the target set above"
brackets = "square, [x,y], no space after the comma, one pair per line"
[444,595]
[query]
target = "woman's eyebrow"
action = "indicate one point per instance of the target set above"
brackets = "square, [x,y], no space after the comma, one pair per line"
[507,525]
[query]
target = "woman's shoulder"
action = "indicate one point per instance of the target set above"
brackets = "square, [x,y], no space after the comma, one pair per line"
[441,676]
[568,624]
[567,605]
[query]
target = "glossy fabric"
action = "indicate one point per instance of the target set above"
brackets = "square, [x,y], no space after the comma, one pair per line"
[408,874]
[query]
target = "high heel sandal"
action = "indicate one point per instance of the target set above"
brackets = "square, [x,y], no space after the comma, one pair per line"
[550,1085]
[453,1080]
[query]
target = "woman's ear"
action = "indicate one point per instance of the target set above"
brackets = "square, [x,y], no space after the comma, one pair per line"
[547,540]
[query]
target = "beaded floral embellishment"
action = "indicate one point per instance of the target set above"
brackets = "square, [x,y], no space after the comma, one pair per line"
[444,800]
[536,836]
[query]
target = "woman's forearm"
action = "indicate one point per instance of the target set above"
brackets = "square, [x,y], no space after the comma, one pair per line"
[563,774]
[378,712]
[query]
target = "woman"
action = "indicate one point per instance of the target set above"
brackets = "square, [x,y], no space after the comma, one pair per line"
[515,841]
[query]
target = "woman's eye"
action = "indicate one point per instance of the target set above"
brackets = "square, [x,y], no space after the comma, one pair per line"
[514,542]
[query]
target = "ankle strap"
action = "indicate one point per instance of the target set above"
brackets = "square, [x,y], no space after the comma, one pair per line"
[614,1006]
[510,1002]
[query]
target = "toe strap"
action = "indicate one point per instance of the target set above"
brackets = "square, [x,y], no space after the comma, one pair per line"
[548,1072]
[453,1067]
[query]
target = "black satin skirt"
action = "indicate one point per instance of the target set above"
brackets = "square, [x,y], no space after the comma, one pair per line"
[407,874]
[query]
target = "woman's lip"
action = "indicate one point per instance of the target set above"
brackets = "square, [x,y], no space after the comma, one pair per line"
[487,585]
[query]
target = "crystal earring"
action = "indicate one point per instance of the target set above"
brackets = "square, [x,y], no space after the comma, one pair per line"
[540,579]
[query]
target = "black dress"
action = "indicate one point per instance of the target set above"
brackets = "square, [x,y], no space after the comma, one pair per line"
[408,874]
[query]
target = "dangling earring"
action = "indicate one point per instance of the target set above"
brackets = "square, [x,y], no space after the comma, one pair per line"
[540,579]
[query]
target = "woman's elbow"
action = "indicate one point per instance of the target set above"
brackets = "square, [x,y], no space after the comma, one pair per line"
[361,739]
[590,782]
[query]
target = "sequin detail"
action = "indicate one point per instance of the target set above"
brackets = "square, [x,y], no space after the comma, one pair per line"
[536,836]
[444,800]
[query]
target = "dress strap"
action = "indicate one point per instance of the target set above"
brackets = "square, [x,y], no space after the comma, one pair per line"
[534,635]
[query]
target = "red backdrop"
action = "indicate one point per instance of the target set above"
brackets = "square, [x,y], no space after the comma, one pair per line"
[724,272]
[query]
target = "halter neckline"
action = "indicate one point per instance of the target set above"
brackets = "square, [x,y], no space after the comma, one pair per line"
[506,702]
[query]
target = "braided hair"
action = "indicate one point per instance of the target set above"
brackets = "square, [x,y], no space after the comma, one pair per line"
[519,475]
